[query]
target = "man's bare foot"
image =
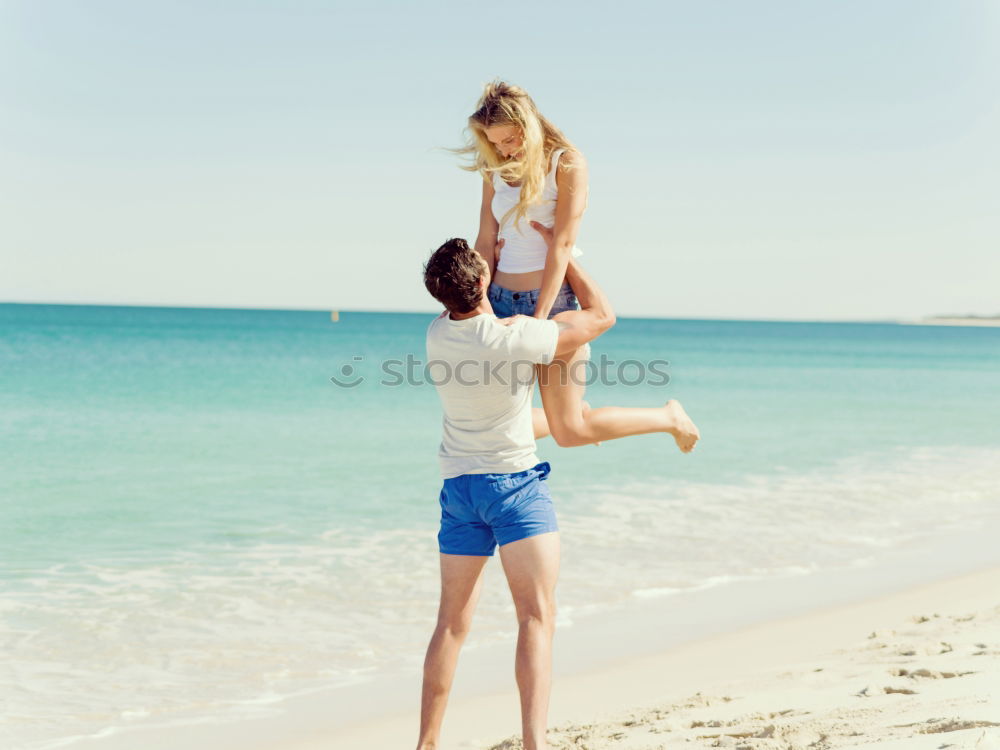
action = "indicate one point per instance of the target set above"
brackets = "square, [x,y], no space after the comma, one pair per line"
[682,428]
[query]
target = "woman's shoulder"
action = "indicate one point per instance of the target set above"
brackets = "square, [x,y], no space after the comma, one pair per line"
[571,161]
[571,169]
[570,158]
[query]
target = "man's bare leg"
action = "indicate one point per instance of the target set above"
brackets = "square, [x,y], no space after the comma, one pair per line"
[461,581]
[532,568]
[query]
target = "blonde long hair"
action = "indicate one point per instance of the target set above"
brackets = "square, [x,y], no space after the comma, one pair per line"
[505,104]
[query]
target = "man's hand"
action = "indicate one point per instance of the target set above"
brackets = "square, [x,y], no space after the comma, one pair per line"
[546,233]
[496,253]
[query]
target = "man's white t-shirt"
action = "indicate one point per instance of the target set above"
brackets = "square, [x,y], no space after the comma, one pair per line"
[484,373]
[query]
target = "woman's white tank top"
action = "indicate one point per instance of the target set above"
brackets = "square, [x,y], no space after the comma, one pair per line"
[524,249]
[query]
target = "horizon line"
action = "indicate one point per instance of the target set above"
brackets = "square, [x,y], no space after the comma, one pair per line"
[898,320]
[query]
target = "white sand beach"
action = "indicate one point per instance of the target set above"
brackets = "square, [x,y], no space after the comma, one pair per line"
[913,670]
[928,679]
[910,671]
[855,659]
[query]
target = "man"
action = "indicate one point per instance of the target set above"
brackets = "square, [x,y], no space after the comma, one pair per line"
[493,491]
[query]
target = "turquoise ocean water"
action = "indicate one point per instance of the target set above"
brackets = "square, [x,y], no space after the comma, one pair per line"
[196,521]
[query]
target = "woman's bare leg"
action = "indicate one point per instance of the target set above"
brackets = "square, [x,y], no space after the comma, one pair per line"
[562,385]
[540,424]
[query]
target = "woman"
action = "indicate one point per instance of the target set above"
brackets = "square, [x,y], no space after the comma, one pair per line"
[532,173]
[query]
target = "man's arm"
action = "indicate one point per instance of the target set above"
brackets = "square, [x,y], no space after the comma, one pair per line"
[577,327]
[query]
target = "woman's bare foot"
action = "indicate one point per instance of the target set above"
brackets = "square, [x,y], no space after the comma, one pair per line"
[682,428]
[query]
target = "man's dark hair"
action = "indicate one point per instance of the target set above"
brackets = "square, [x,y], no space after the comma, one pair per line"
[452,276]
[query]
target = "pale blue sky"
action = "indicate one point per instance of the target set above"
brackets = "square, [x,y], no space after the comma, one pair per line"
[766,159]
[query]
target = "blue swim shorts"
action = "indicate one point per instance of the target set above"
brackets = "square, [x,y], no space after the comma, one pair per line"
[480,511]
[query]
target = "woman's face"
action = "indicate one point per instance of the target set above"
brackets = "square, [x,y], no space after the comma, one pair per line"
[507,139]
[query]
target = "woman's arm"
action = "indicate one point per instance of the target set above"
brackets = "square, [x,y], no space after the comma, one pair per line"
[489,228]
[571,179]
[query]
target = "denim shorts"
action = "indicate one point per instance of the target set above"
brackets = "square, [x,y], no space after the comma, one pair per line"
[480,511]
[506,302]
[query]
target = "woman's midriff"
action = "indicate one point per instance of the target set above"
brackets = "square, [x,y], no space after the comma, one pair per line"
[518,282]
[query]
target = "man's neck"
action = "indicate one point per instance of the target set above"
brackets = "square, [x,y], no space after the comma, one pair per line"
[482,308]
